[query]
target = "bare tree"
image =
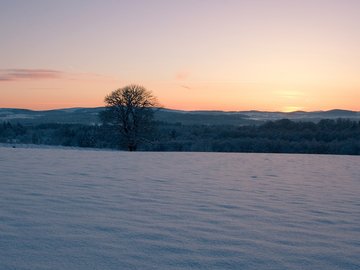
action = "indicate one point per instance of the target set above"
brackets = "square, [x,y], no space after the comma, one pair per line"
[131,110]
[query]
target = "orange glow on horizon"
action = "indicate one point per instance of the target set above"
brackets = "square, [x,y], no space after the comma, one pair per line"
[41,96]
[88,90]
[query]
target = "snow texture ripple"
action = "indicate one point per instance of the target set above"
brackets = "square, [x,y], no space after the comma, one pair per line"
[71,209]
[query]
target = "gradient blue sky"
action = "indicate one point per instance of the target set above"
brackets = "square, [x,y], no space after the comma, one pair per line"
[193,54]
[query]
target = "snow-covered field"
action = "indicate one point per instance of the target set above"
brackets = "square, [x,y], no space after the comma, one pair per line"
[71,209]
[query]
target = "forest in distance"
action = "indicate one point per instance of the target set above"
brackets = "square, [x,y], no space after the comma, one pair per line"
[328,136]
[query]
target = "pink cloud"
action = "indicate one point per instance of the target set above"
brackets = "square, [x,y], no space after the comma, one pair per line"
[29,74]
[185,86]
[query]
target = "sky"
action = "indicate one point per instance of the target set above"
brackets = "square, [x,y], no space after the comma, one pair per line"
[271,55]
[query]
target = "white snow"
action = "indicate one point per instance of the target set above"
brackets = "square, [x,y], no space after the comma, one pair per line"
[71,209]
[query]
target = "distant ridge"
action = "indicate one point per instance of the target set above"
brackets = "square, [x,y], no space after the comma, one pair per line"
[80,115]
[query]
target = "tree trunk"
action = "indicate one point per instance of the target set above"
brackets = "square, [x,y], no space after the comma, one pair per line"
[132,147]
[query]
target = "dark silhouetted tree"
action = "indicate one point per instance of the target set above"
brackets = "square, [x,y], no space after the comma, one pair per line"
[131,110]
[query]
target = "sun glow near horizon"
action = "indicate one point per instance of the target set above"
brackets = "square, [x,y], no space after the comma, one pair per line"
[50,94]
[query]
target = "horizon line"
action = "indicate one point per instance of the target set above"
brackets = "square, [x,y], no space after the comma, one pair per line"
[172,109]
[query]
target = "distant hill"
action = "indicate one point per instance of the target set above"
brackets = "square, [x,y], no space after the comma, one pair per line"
[89,116]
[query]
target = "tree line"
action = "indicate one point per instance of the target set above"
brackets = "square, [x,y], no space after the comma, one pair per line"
[283,136]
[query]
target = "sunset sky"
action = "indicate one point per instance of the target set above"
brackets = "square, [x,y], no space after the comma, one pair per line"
[274,55]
